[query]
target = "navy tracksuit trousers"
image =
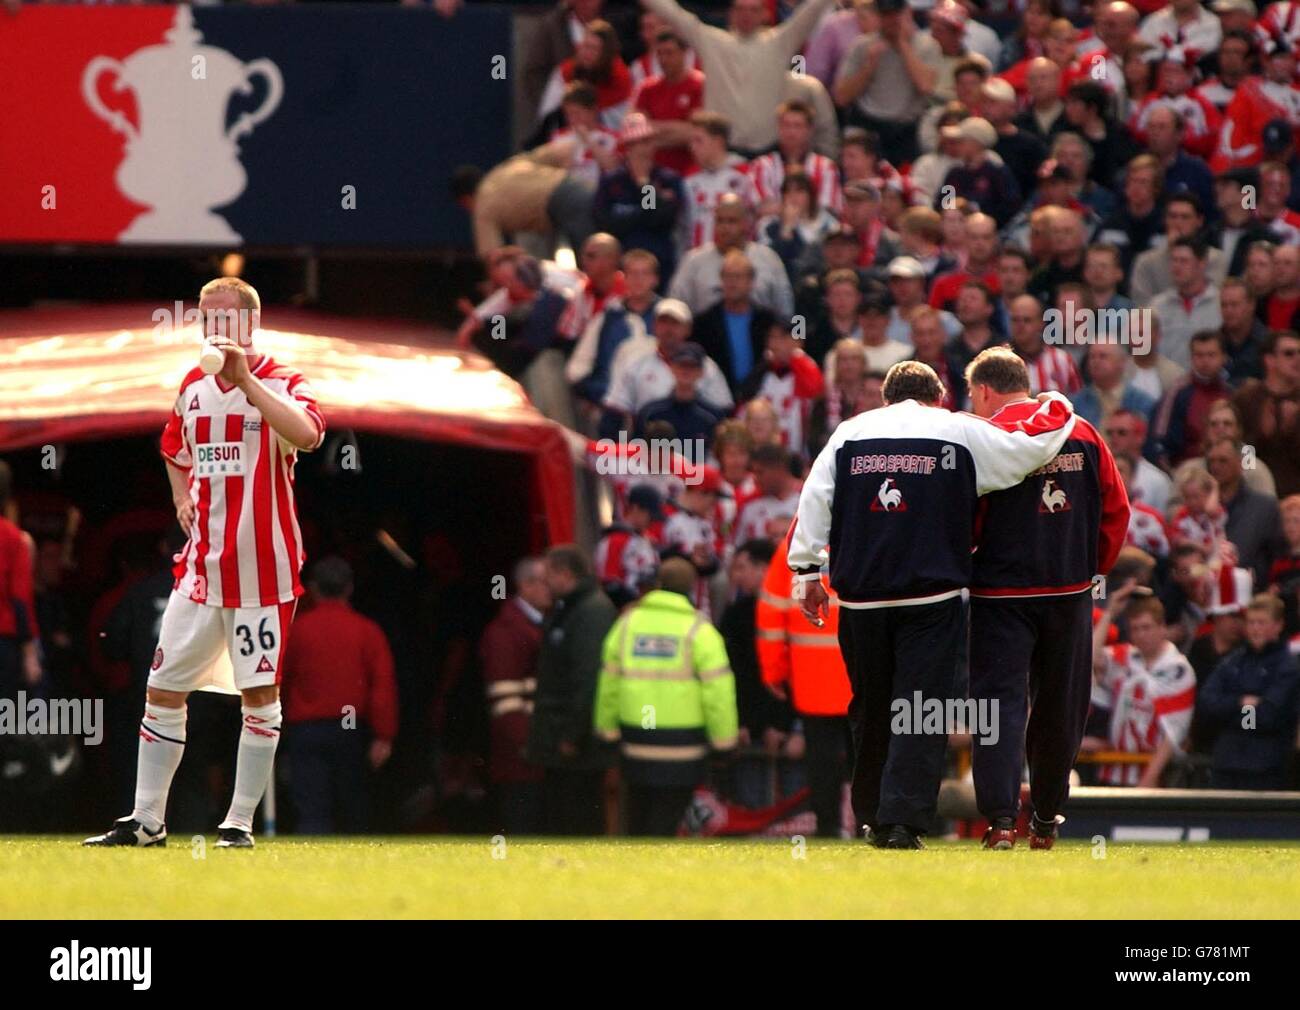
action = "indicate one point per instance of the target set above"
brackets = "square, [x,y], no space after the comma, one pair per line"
[891,653]
[1034,657]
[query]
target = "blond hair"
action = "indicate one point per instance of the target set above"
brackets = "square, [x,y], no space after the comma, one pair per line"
[247,294]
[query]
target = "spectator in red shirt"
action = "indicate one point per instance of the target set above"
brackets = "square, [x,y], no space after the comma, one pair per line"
[508,658]
[982,251]
[1282,306]
[19,660]
[596,61]
[340,705]
[669,100]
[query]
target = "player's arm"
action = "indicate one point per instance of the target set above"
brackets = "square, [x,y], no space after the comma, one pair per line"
[810,532]
[291,421]
[809,535]
[180,483]
[287,416]
[1003,458]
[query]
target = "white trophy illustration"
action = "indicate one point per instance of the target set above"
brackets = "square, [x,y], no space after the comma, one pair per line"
[182,161]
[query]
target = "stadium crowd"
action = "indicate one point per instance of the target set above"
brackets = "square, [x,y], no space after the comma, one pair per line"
[767,216]
[714,245]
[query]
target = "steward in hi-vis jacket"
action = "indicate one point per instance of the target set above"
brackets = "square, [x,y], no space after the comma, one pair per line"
[666,695]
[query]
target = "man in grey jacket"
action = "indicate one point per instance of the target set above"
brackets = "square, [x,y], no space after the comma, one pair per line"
[698,281]
[746,64]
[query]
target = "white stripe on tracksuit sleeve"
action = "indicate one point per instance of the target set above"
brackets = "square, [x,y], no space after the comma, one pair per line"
[812,528]
[1003,458]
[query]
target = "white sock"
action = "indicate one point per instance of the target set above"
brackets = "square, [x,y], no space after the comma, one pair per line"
[162,745]
[257,745]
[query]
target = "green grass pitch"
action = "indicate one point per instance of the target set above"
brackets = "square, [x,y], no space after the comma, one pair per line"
[53,877]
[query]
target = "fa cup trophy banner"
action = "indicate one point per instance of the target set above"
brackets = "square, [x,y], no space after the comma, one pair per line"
[181,160]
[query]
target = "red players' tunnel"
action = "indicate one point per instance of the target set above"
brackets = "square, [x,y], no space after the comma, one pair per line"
[435,477]
[422,421]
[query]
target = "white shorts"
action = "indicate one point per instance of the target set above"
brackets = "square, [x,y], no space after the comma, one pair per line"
[219,648]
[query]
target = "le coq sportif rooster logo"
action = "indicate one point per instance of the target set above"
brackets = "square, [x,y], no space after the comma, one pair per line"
[1053,498]
[889,498]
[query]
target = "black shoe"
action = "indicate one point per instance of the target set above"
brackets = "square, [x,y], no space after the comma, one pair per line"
[1042,834]
[234,838]
[876,836]
[128,832]
[900,836]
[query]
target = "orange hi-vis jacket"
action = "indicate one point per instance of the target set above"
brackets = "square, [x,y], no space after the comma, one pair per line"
[793,651]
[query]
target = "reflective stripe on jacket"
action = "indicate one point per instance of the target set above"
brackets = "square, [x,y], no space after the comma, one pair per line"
[665,671]
[791,650]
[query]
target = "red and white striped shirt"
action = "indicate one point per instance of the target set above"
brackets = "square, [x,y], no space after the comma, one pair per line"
[761,512]
[245,547]
[626,557]
[706,186]
[583,164]
[768,172]
[1146,701]
[1286,226]
[1279,21]
[1053,369]
[1202,122]
[1146,530]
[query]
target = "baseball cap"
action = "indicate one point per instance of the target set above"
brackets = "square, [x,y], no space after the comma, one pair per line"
[999,90]
[690,353]
[978,129]
[673,308]
[1230,592]
[635,127]
[647,497]
[889,6]
[1242,176]
[1277,136]
[906,266]
[842,235]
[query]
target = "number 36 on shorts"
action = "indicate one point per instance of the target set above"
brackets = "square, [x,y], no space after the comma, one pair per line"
[193,636]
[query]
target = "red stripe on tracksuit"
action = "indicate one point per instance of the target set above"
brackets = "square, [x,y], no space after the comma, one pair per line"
[234,486]
[1069,590]
[267,578]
